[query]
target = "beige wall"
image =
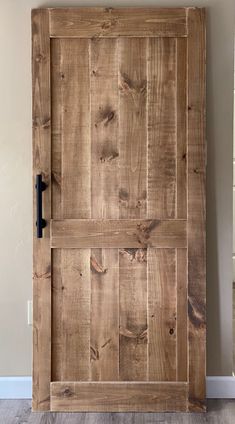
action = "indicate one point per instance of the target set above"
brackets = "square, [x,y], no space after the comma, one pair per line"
[15,178]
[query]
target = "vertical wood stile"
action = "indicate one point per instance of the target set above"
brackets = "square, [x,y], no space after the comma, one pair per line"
[104,204]
[41,247]
[71,299]
[181,205]
[56,164]
[196,209]
[132,204]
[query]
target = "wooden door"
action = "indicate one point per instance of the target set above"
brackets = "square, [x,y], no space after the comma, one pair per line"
[119,273]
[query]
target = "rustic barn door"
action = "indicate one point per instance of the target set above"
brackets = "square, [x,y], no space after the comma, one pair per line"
[119,151]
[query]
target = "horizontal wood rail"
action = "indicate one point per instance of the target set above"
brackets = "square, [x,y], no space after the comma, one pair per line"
[98,22]
[118,233]
[119,397]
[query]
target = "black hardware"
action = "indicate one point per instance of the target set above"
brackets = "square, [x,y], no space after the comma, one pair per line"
[40,187]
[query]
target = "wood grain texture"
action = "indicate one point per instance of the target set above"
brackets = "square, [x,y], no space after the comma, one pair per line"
[162,314]
[76,203]
[75,315]
[133,314]
[181,137]
[162,128]
[104,340]
[71,198]
[104,349]
[57,96]
[118,397]
[41,247]
[126,222]
[196,209]
[132,127]
[181,316]
[115,233]
[75,117]
[132,205]
[104,128]
[56,318]
[94,22]
[56,173]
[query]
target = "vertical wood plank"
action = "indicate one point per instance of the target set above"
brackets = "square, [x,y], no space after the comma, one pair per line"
[104,128]
[75,116]
[132,127]
[132,204]
[162,128]
[162,148]
[56,126]
[181,142]
[56,164]
[104,315]
[75,315]
[133,314]
[182,324]
[196,209]
[41,247]
[71,198]
[162,314]
[56,321]
[76,202]
[181,207]
[104,204]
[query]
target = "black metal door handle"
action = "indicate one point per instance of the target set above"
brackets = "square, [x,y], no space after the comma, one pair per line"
[40,187]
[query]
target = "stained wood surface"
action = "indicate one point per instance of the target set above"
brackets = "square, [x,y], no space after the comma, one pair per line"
[196,209]
[181,136]
[122,397]
[71,269]
[133,355]
[132,204]
[41,247]
[162,314]
[104,111]
[162,128]
[75,128]
[125,235]
[104,331]
[181,315]
[56,175]
[111,233]
[132,127]
[109,22]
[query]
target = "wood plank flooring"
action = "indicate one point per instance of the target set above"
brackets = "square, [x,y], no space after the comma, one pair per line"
[19,412]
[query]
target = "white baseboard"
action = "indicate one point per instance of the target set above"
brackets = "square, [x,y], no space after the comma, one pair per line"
[15,387]
[220,387]
[21,387]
